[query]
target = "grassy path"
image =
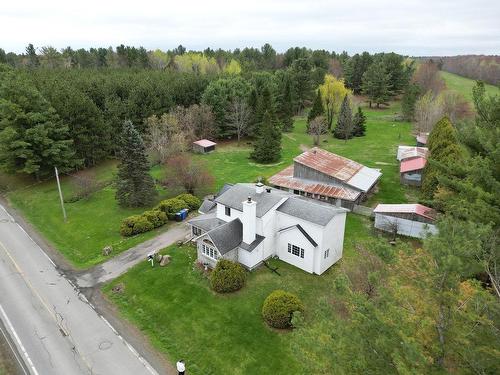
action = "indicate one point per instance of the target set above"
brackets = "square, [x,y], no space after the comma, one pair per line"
[464,85]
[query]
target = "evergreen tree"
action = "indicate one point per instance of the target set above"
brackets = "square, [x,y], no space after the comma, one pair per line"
[317,108]
[444,149]
[359,123]
[33,60]
[285,104]
[355,67]
[267,147]
[376,84]
[344,128]
[33,139]
[134,186]
[301,71]
[265,103]
[408,101]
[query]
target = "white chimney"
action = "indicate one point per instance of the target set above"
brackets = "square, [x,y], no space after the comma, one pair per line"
[259,187]
[249,220]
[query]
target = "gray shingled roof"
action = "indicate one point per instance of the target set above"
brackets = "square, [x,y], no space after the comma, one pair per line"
[253,245]
[303,231]
[207,206]
[228,236]
[234,197]
[206,222]
[309,210]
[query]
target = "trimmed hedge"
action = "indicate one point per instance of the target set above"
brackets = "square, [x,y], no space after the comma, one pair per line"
[142,223]
[171,207]
[279,307]
[227,276]
[193,202]
[156,217]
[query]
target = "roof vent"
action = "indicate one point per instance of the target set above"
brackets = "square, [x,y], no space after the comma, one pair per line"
[249,199]
[268,190]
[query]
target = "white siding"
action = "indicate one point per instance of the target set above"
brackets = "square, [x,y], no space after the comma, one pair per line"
[333,240]
[404,227]
[221,214]
[251,259]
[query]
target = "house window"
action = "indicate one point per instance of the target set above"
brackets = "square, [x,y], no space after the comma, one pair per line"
[209,251]
[296,192]
[309,195]
[196,231]
[227,211]
[327,253]
[295,250]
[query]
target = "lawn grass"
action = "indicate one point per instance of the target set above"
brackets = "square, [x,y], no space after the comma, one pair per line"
[230,163]
[92,224]
[223,334]
[464,85]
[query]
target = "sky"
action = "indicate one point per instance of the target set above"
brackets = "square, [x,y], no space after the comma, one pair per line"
[409,27]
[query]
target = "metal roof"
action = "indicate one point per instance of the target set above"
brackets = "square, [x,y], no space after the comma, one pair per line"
[329,163]
[309,210]
[285,179]
[414,208]
[204,143]
[365,178]
[405,152]
[413,164]
[422,138]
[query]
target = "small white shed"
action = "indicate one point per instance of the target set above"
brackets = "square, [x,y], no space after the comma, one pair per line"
[413,220]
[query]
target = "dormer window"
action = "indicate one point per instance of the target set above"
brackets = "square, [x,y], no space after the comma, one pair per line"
[227,211]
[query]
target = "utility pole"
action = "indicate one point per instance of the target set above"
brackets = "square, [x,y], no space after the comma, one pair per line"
[60,193]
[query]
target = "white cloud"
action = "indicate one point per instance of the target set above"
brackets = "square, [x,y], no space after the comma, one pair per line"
[411,27]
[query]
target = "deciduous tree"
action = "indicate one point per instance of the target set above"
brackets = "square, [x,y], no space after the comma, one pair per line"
[333,92]
[192,175]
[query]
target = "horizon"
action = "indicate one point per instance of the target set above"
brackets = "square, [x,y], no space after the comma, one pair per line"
[413,28]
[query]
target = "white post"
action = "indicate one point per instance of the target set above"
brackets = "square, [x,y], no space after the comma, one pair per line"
[60,194]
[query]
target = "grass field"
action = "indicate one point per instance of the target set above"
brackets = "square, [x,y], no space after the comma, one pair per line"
[464,85]
[94,222]
[223,334]
[230,163]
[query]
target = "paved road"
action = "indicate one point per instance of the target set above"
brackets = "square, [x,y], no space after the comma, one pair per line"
[55,329]
[126,260]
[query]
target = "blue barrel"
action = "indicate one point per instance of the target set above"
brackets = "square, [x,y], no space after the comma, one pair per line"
[184,213]
[178,216]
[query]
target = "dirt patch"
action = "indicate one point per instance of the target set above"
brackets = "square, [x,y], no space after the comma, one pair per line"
[304,147]
[289,136]
[383,163]
[118,288]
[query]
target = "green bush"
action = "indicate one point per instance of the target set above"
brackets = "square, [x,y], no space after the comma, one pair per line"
[227,276]
[193,202]
[142,225]
[156,217]
[279,307]
[127,225]
[171,206]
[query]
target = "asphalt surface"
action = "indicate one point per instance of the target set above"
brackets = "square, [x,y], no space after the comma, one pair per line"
[126,260]
[53,326]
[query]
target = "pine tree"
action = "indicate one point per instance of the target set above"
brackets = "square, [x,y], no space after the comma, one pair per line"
[344,127]
[134,186]
[285,107]
[267,147]
[408,101]
[317,108]
[33,139]
[33,60]
[444,150]
[376,84]
[359,123]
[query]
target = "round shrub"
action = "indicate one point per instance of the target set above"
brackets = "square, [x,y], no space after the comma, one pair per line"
[171,206]
[279,307]
[142,225]
[127,225]
[155,217]
[227,276]
[193,202]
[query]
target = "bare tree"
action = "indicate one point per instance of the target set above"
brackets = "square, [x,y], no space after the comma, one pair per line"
[192,175]
[428,111]
[454,105]
[239,117]
[317,127]
[428,78]
[166,136]
[84,183]
[201,121]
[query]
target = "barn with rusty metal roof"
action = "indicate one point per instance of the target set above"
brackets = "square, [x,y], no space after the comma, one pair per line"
[329,177]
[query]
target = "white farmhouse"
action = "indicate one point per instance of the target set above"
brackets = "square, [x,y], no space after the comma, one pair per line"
[250,223]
